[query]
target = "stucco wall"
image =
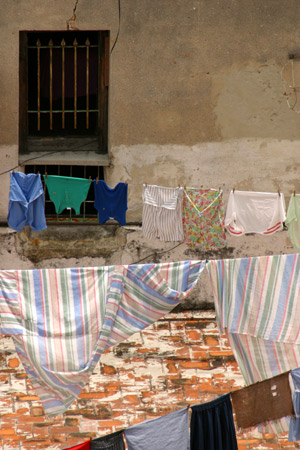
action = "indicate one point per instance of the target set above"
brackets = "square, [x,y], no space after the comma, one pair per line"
[196,93]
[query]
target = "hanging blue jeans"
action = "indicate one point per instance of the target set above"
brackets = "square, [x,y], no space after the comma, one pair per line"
[212,426]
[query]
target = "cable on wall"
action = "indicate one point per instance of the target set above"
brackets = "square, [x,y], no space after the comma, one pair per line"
[117,36]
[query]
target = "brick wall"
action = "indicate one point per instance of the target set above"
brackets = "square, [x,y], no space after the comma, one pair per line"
[180,360]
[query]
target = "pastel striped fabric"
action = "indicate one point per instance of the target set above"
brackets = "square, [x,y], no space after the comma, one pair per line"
[257,302]
[62,320]
[162,213]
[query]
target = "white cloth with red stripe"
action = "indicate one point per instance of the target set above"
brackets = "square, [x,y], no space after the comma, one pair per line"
[255,212]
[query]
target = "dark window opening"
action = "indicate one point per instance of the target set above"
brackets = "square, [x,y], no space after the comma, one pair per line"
[88,213]
[63,90]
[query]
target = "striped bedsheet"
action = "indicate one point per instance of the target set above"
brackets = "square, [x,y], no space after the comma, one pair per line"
[62,320]
[257,302]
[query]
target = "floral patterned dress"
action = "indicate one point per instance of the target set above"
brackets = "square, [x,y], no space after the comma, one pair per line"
[203,218]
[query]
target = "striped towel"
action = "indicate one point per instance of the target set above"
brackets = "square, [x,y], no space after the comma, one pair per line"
[62,320]
[257,302]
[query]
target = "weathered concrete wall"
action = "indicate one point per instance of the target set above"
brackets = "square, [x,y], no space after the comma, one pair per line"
[196,93]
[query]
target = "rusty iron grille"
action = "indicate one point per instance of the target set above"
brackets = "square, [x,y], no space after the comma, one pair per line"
[88,213]
[63,83]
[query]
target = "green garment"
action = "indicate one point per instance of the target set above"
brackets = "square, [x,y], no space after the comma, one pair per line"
[67,192]
[293,221]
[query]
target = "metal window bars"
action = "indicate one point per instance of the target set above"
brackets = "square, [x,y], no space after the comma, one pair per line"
[88,213]
[72,50]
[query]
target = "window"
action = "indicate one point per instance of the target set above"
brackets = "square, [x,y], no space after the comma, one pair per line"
[63,91]
[88,213]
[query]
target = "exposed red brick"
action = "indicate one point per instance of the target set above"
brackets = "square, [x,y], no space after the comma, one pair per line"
[221,353]
[203,365]
[108,370]
[26,398]
[37,411]
[132,399]
[13,363]
[172,367]
[211,340]
[71,421]
[92,395]
[195,335]
[7,432]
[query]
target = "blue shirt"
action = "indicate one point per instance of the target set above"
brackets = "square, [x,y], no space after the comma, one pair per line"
[111,203]
[26,202]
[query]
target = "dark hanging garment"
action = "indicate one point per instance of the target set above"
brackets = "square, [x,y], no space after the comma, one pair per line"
[212,426]
[261,402]
[112,441]
[111,203]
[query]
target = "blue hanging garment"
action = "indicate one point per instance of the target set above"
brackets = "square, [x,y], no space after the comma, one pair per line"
[26,202]
[212,426]
[111,203]
[169,432]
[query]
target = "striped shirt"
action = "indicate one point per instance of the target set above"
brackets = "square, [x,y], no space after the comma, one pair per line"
[162,213]
[62,320]
[257,302]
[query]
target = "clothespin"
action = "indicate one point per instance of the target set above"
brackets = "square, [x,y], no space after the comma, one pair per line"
[90,179]
[279,192]
[126,182]
[185,188]
[97,179]
[146,184]
[233,189]
[46,175]
[37,174]
[294,193]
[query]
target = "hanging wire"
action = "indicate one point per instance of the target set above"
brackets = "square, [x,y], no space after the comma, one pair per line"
[119,5]
[291,89]
[158,253]
[46,154]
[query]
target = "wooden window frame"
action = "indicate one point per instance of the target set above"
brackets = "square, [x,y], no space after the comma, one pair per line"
[99,143]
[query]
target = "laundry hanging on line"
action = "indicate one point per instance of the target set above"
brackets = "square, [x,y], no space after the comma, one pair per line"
[26,202]
[212,426]
[83,446]
[111,203]
[61,320]
[203,218]
[113,441]
[169,432]
[261,402]
[257,303]
[67,192]
[293,221]
[162,213]
[294,430]
[254,212]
